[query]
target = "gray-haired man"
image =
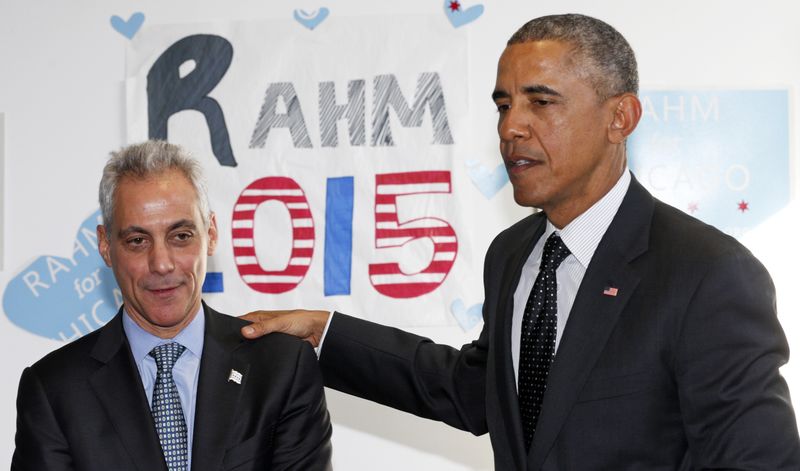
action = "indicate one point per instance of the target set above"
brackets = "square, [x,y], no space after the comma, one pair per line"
[168,383]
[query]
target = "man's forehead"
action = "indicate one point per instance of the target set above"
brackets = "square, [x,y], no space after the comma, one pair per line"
[162,199]
[537,51]
[545,63]
[172,181]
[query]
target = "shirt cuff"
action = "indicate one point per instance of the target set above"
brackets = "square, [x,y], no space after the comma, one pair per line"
[318,350]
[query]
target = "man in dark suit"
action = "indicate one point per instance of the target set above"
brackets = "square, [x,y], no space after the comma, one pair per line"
[217,401]
[619,333]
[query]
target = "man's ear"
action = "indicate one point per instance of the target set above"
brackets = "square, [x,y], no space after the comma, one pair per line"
[102,244]
[627,112]
[212,233]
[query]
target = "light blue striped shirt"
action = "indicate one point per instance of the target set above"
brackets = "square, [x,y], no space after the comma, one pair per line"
[581,236]
[186,370]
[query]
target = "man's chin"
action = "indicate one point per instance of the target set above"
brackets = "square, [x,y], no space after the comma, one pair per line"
[526,200]
[166,317]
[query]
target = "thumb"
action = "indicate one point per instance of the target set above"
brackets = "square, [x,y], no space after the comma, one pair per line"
[261,327]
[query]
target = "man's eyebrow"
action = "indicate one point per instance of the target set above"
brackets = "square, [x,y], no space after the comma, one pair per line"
[498,94]
[528,90]
[185,223]
[132,230]
[539,90]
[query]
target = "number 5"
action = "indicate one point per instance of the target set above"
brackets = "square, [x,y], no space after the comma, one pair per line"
[387,278]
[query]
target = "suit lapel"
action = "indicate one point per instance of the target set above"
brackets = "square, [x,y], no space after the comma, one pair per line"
[506,380]
[118,386]
[217,397]
[594,315]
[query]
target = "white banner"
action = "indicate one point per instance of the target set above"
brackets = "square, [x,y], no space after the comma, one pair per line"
[331,158]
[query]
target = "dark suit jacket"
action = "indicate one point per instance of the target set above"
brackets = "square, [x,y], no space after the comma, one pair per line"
[83,406]
[679,370]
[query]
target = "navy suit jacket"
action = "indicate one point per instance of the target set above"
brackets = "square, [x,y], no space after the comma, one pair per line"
[83,406]
[678,370]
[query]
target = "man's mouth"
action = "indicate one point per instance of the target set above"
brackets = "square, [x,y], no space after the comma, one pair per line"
[163,291]
[515,165]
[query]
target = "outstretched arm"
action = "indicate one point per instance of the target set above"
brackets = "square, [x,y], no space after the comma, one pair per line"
[389,366]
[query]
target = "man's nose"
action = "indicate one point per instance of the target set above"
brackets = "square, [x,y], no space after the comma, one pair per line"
[513,125]
[161,259]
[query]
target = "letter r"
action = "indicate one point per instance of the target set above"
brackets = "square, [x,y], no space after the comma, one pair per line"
[168,92]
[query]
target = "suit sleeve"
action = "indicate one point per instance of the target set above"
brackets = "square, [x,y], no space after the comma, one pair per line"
[303,433]
[411,373]
[407,372]
[735,405]
[40,443]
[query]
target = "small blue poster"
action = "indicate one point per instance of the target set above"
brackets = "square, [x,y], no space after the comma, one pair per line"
[721,156]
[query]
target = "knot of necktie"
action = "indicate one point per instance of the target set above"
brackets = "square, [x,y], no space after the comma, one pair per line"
[554,252]
[166,355]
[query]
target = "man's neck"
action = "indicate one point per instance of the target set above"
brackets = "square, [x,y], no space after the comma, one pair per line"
[563,215]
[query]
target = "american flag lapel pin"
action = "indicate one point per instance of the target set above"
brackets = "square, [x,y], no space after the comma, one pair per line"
[610,291]
[235,376]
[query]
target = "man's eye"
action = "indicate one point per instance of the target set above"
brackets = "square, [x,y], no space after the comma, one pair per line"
[135,241]
[183,236]
[542,102]
[503,107]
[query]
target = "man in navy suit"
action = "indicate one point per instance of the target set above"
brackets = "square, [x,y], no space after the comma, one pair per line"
[663,337]
[168,383]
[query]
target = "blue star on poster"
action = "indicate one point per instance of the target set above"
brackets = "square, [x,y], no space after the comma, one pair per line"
[721,156]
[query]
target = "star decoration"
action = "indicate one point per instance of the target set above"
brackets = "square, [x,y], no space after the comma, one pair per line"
[743,206]
[693,207]
[455,6]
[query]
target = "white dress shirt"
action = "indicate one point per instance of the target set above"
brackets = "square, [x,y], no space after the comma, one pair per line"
[581,236]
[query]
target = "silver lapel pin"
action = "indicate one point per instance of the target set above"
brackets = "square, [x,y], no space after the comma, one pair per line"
[235,376]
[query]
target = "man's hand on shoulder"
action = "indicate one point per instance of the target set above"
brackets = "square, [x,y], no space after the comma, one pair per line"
[308,325]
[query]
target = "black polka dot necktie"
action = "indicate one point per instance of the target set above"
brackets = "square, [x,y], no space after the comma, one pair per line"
[538,338]
[167,410]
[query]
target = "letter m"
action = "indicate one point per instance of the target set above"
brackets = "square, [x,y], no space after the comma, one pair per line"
[429,92]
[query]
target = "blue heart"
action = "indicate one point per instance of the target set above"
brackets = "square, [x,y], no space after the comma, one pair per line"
[64,298]
[488,182]
[128,28]
[459,17]
[313,19]
[467,318]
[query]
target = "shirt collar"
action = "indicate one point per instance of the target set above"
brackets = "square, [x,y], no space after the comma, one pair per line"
[142,342]
[582,235]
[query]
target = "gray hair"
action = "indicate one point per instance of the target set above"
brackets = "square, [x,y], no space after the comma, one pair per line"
[602,50]
[144,160]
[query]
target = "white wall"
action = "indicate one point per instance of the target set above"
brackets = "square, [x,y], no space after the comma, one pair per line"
[62,96]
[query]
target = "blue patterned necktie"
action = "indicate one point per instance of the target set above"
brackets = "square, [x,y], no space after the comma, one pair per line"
[166,408]
[538,338]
